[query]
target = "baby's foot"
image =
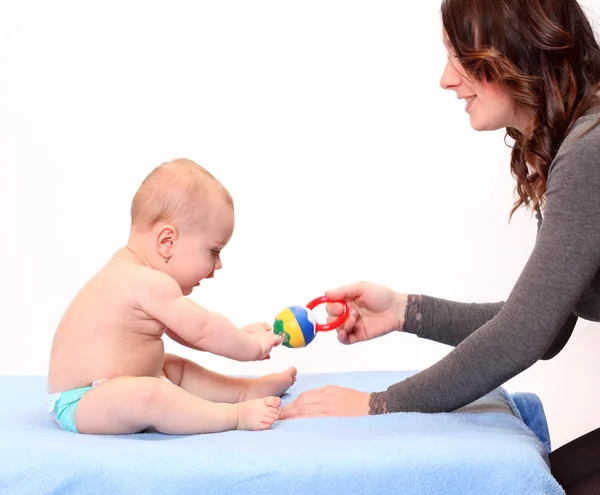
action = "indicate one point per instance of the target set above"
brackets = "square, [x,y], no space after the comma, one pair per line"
[273,384]
[257,414]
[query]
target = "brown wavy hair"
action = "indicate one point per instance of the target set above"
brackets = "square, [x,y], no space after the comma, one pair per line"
[545,55]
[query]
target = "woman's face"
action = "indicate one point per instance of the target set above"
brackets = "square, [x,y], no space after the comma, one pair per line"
[488,105]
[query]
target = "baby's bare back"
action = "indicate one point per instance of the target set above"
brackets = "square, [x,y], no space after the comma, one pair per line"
[103,334]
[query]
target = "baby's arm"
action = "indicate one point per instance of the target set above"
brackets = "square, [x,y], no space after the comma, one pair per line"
[161,298]
[173,336]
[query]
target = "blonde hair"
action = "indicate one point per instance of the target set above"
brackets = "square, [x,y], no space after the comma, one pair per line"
[179,191]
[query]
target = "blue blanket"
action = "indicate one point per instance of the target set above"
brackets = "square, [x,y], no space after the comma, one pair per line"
[485,448]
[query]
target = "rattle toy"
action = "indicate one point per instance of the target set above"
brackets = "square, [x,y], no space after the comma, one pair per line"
[298,324]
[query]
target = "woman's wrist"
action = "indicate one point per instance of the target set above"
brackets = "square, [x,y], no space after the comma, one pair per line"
[412,316]
[377,403]
[401,309]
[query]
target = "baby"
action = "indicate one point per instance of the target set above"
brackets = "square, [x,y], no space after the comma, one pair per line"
[109,373]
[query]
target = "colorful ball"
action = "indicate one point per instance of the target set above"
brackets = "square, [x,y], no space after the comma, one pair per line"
[297,325]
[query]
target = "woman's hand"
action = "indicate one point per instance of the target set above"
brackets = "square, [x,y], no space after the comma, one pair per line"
[374,310]
[327,401]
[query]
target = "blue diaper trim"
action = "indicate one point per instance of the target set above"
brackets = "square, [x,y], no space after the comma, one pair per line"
[64,405]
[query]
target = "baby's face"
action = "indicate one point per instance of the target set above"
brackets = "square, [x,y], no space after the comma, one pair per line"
[199,250]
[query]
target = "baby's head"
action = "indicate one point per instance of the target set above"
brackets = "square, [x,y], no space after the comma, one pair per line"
[181,218]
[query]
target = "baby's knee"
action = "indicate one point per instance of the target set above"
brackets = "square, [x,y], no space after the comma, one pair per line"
[150,392]
[173,368]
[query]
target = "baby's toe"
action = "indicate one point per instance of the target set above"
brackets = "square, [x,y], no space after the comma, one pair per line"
[273,401]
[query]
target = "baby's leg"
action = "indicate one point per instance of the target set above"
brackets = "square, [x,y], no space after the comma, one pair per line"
[132,404]
[221,388]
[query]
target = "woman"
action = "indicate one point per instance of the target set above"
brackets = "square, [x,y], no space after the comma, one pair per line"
[532,67]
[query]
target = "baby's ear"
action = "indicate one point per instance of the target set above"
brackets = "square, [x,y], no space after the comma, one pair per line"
[166,236]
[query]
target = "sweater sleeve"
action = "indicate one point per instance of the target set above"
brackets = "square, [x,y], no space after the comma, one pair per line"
[449,322]
[564,260]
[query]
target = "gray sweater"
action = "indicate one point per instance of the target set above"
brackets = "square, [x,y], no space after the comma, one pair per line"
[494,342]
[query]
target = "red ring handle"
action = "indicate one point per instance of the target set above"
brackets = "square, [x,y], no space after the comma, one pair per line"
[335,323]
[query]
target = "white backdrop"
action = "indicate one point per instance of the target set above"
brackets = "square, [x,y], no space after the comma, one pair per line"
[324,119]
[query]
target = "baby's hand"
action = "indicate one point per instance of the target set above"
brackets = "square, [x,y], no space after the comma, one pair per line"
[257,328]
[262,333]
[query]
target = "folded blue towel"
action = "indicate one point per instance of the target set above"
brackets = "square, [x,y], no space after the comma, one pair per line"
[532,412]
[482,449]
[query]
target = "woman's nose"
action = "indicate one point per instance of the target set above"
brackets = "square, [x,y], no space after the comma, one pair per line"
[451,78]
